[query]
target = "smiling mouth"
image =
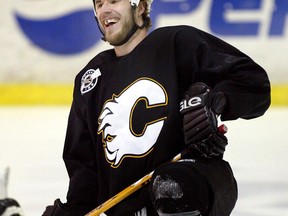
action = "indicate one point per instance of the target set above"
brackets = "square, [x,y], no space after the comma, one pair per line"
[110,22]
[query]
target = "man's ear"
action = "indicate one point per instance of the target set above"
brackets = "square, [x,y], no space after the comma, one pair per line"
[141,8]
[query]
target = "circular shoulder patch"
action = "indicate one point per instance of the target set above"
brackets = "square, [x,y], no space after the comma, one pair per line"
[89,80]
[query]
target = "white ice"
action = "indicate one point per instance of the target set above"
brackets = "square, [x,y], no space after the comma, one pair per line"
[31,143]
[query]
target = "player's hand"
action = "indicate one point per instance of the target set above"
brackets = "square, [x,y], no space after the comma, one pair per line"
[63,209]
[59,209]
[213,146]
[55,210]
[200,127]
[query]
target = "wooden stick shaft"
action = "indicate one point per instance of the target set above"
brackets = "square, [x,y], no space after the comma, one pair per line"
[125,193]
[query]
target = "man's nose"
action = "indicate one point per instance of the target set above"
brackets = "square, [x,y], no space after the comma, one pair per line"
[106,7]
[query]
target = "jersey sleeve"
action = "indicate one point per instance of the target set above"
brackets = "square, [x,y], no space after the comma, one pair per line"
[79,158]
[223,67]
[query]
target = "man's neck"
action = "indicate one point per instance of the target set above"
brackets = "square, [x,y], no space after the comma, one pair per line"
[126,48]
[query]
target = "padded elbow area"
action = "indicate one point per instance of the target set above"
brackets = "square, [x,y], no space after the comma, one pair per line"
[179,188]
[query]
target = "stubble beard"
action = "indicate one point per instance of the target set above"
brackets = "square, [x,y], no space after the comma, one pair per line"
[122,34]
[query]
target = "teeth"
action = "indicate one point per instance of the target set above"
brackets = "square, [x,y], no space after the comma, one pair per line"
[109,21]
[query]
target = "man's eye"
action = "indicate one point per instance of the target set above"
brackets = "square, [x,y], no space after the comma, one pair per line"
[99,5]
[114,1]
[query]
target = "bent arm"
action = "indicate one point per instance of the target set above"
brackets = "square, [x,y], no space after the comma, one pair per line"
[225,69]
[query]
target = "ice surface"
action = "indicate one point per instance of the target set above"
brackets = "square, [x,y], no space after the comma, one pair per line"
[31,142]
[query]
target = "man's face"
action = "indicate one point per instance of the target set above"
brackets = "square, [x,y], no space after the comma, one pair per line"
[115,19]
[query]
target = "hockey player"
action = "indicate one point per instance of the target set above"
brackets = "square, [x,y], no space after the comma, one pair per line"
[125,120]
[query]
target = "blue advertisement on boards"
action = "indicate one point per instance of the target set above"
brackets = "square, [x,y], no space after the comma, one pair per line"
[76,31]
[41,35]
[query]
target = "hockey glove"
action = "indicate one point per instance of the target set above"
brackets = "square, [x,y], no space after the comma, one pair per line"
[60,209]
[55,210]
[200,110]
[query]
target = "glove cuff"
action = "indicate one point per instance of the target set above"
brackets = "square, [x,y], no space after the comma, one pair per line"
[218,103]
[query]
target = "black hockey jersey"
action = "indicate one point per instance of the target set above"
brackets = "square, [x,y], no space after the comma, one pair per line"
[125,121]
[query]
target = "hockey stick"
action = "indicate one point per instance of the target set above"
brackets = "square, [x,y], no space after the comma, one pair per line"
[138,184]
[127,191]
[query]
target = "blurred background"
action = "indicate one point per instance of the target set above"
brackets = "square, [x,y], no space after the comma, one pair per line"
[45,43]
